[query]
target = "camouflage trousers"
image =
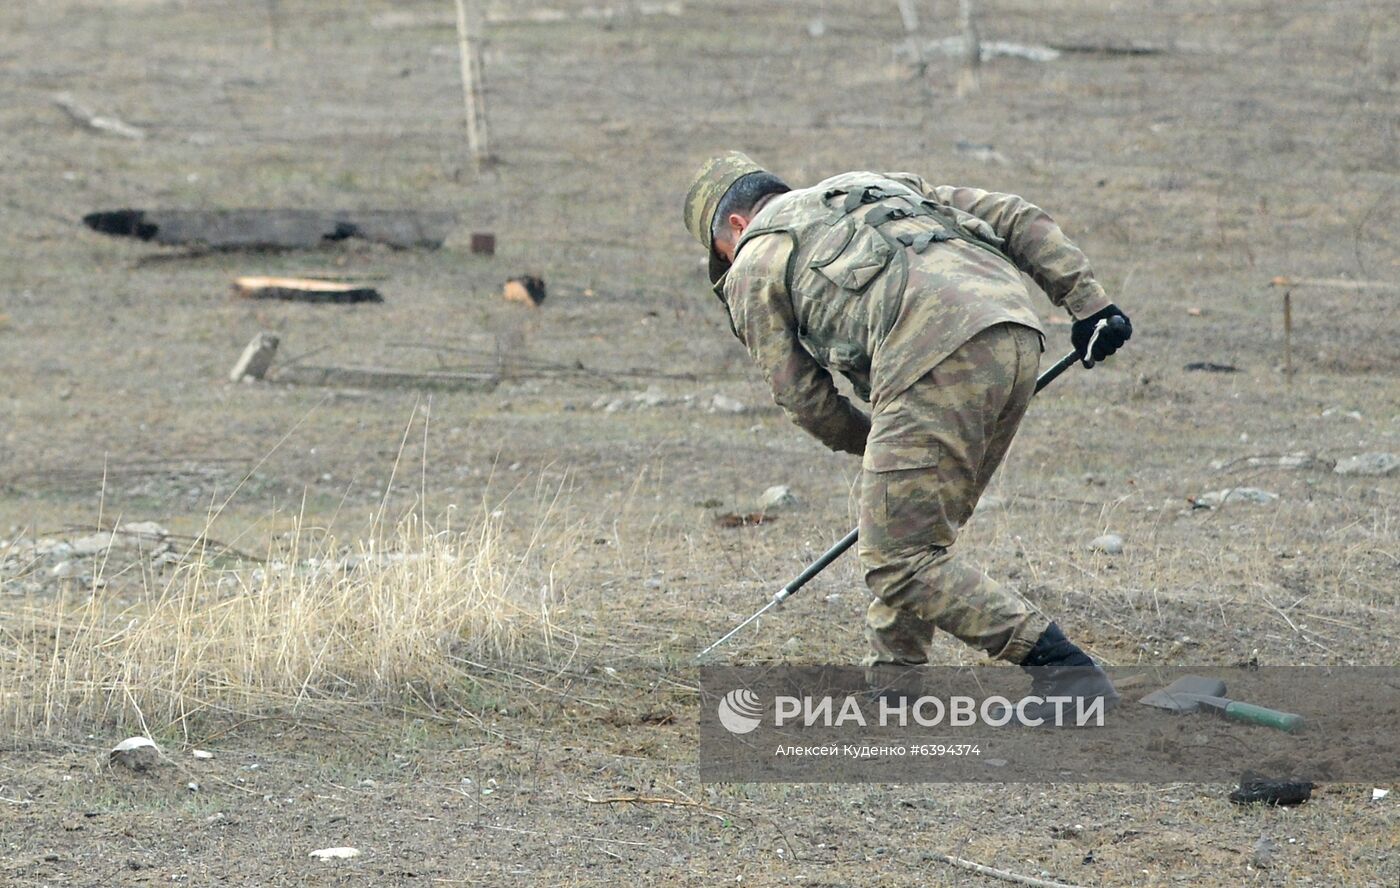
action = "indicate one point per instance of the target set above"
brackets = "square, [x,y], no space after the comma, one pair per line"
[931,452]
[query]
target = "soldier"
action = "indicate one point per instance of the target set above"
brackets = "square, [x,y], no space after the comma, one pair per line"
[913,293]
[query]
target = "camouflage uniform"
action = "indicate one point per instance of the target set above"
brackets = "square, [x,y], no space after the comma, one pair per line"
[913,293]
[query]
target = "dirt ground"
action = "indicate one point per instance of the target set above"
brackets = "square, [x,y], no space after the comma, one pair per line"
[1262,142]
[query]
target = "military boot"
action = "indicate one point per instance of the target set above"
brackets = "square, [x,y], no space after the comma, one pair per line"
[1058,668]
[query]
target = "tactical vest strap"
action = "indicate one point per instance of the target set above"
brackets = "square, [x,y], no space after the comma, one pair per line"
[920,242]
[876,218]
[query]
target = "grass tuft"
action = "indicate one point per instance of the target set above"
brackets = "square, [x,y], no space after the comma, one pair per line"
[394,621]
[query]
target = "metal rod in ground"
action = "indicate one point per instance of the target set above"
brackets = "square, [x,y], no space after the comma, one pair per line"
[849,539]
[1288,335]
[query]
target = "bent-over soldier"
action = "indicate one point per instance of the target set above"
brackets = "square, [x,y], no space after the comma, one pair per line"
[913,292]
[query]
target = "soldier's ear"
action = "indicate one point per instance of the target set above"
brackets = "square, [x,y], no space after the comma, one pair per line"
[738,222]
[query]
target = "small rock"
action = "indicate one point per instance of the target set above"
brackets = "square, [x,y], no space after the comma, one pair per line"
[201,753]
[66,570]
[816,28]
[1264,852]
[776,498]
[726,404]
[91,545]
[136,753]
[335,853]
[1109,544]
[652,397]
[614,405]
[1368,464]
[192,786]
[1343,414]
[1377,794]
[1286,461]
[1217,498]
[149,530]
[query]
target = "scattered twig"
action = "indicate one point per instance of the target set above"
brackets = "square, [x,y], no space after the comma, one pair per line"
[472,96]
[85,116]
[709,810]
[1004,875]
[542,367]
[1058,499]
[295,720]
[570,837]
[1131,48]
[383,377]
[658,800]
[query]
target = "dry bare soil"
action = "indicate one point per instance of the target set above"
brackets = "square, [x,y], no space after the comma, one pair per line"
[1264,141]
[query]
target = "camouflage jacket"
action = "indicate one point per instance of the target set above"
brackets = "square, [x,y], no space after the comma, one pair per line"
[880,277]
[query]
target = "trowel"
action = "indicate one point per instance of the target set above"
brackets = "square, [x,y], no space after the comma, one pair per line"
[1191,693]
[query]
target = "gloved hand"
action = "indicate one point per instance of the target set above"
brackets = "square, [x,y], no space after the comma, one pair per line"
[1100,335]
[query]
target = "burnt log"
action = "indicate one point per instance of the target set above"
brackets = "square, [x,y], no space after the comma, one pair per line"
[275,229]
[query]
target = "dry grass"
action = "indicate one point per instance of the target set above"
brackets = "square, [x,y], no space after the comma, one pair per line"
[394,622]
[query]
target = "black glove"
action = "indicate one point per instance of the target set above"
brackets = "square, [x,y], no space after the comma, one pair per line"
[1100,335]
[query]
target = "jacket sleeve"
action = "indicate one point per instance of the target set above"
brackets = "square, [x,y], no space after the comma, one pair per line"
[1030,239]
[760,312]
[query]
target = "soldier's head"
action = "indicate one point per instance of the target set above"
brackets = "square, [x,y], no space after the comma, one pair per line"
[725,196]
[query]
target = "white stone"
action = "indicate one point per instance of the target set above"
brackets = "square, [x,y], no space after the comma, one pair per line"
[335,853]
[1368,464]
[652,397]
[726,404]
[1109,544]
[778,497]
[201,753]
[147,530]
[1217,498]
[93,544]
[136,753]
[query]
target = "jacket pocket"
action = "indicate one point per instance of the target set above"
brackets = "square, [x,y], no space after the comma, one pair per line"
[842,357]
[851,255]
[902,455]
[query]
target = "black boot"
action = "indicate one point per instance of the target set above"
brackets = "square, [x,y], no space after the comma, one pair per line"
[1058,668]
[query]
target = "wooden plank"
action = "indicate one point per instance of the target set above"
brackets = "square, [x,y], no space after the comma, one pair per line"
[256,358]
[303,290]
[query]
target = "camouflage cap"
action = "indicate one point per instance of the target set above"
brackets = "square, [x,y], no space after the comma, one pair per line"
[711,183]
